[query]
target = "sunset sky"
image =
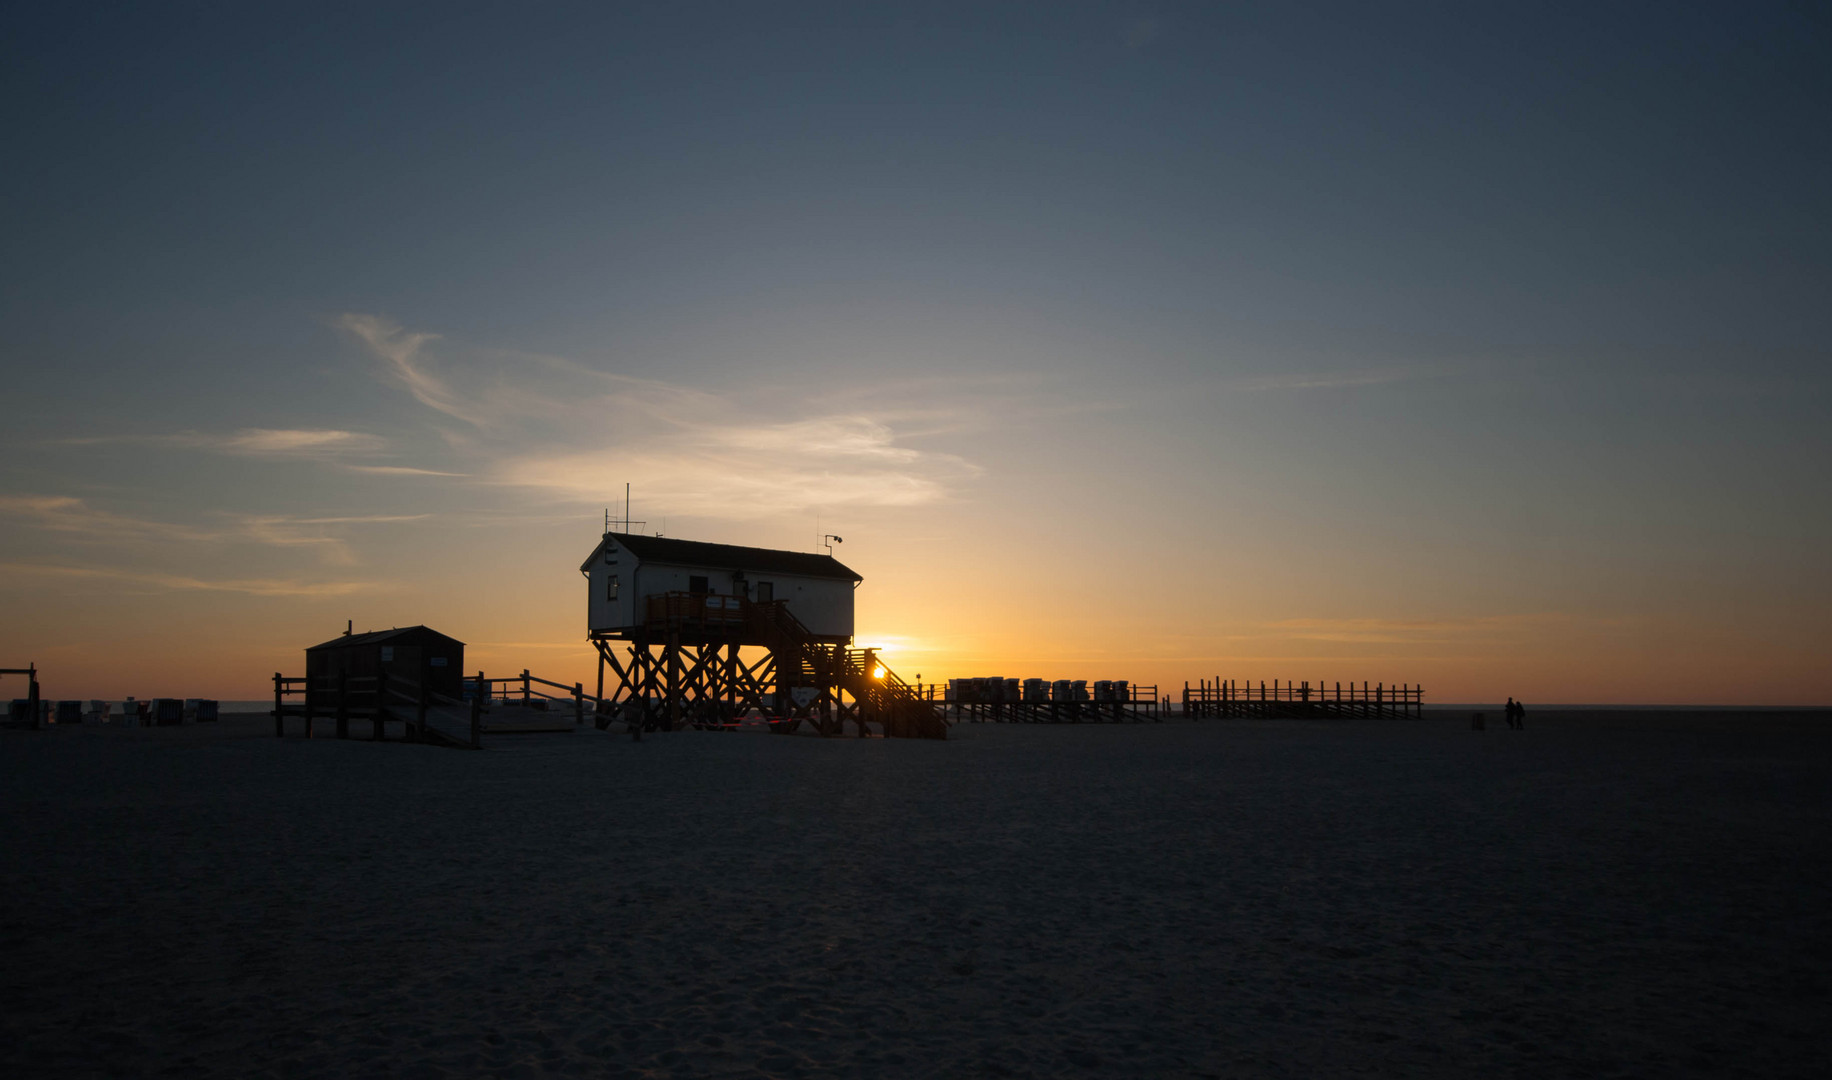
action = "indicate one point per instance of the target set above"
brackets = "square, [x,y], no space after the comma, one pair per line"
[1484,349]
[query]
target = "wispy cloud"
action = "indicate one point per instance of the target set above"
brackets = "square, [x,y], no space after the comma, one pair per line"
[1333,380]
[283,442]
[399,470]
[399,352]
[75,517]
[313,532]
[66,514]
[253,442]
[182,583]
[577,434]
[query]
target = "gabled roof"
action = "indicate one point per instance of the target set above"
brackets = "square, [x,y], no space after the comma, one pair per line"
[376,637]
[666,549]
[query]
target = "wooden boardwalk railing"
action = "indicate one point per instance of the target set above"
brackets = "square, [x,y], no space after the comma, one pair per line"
[1227,698]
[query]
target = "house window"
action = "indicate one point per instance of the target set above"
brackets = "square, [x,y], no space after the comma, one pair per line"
[766,591]
[610,587]
[697,585]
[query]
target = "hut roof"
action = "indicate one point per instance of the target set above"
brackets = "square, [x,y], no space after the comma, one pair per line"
[666,549]
[376,637]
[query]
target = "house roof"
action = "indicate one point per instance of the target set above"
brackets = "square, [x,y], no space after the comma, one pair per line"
[376,637]
[666,549]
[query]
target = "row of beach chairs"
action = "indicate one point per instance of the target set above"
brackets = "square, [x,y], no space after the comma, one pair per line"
[997,691]
[155,712]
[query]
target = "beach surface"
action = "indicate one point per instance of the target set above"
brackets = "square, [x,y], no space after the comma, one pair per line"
[1602,894]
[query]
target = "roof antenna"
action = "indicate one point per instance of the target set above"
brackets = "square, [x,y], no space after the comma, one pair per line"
[349,627]
[835,540]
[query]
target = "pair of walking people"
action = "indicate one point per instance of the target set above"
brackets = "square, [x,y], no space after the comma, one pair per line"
[1517,715]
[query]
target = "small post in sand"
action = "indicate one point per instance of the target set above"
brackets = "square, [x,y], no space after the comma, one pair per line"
[477,713]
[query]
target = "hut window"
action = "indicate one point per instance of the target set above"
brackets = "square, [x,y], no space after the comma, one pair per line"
[696,585]
[610,587]
[766,591]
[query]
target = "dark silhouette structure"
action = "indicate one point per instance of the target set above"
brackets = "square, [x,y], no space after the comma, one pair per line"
[415,653]
[33,710]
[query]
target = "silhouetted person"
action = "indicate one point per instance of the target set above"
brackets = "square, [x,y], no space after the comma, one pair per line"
[1520,717]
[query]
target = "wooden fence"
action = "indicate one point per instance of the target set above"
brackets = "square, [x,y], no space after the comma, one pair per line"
[1227,698]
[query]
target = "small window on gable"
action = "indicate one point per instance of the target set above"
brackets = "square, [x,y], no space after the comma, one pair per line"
[610,587]
[610,555]
[766,591]
[697,585]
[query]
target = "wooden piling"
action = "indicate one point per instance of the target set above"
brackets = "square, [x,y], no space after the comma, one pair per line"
[477,712]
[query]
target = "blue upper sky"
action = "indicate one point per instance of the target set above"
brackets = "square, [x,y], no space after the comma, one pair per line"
[1533,298]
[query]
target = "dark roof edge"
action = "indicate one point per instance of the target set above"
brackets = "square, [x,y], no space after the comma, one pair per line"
[376,635]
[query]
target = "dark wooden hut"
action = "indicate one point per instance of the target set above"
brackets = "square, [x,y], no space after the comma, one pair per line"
[410,652]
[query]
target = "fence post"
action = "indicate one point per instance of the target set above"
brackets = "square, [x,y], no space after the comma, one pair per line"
[526,695]
[279,709]
[381,702]
[477,713]
[343,705]
[578,704]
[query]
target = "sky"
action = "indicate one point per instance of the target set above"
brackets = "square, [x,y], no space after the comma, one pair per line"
[1480,347]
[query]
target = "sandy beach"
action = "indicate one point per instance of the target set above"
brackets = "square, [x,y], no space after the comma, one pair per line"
[1643,894]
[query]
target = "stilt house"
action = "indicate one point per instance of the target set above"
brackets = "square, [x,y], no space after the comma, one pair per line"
[642,580]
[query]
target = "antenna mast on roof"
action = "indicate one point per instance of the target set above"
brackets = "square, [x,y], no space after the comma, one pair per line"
[624,524]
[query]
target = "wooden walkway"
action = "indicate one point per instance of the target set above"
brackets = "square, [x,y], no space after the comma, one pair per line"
[493,706]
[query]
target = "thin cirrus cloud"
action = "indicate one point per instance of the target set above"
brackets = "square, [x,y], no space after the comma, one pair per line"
[399,352]
[292,442]
[74,517]
[1334,380]
[577,434]
[331,446]
[276,587]
[313,443]
[400,470]
[70,515]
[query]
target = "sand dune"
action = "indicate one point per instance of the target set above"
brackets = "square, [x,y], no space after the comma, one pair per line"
[1224,898]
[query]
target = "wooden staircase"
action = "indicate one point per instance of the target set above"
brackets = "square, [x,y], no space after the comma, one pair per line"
[878,695]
